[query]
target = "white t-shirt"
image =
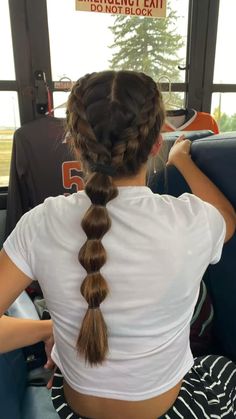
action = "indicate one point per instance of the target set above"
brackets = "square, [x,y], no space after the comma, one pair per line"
[158,248]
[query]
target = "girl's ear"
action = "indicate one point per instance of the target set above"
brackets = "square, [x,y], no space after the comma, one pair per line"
[156,147]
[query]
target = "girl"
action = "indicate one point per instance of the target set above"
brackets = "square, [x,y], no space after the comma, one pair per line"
[120,267]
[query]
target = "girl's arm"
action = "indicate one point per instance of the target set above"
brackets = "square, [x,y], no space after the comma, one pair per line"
[200,184]
[16,333]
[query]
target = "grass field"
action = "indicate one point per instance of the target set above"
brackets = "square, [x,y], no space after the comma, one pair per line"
[5,155]
[6,132]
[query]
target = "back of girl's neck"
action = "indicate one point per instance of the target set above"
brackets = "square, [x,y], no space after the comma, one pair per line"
[137,180]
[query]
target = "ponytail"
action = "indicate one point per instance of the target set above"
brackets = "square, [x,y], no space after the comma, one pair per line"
[93,341]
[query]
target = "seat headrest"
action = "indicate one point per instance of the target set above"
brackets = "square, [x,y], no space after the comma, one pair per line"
[191,135]
[215,156]
[168,140]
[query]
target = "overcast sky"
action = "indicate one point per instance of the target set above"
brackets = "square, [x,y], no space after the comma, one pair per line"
[79,44]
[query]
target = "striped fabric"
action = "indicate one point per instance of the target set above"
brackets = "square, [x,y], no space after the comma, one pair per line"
[208,391]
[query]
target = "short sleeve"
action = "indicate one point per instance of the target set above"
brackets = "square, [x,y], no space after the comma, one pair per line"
[18,244]
[217,227]
[215,223]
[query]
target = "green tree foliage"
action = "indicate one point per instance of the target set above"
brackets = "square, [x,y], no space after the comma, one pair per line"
[233,122]
[225,122]
[147,44]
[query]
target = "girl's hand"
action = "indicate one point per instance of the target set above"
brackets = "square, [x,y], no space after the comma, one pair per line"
[49,343]
[179,152]
[49,384]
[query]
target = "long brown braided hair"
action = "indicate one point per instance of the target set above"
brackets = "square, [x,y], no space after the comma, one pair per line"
[114,119]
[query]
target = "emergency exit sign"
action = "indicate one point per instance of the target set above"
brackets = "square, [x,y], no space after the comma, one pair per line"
[147,8]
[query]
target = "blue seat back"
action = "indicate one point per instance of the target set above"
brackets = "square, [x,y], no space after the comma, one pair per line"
[216,156]
[12,384]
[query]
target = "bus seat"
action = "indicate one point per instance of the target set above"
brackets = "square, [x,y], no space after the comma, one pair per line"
[37,404]
[19,401]
[23,308]
[12,383]
[216,156]
[23,394]
[168,140]
[191,135]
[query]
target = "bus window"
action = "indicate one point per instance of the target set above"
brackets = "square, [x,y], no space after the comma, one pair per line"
[225,60]
[82,42]
[223,102]
[59,101]
[9,115]
[7,69]
[224,111]
[9,121]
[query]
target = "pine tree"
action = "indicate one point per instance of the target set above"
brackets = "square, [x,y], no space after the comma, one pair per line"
[147,44]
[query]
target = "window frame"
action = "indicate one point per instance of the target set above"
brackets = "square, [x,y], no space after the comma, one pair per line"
[32,53]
